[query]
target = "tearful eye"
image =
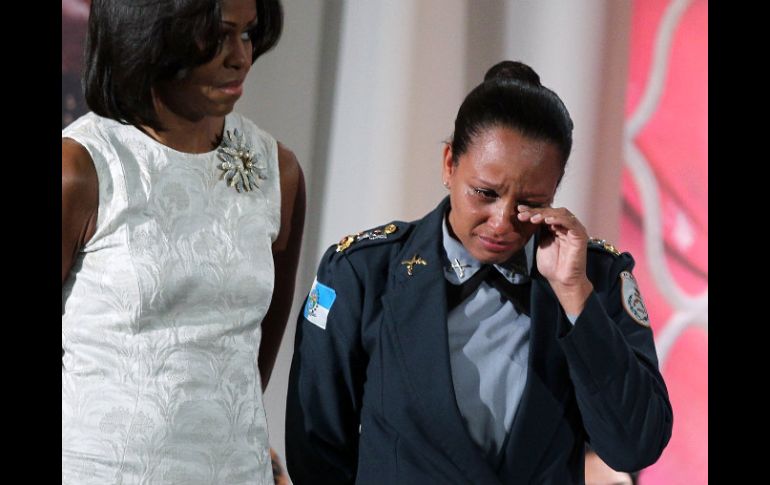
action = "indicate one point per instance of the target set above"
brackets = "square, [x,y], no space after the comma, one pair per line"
[485,193]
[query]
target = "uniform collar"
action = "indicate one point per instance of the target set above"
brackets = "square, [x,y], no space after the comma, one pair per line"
[460,265]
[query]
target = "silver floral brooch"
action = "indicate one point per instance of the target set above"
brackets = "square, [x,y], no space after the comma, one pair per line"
[240,168]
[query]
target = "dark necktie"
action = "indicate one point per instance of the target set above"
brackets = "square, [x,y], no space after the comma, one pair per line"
[516,294]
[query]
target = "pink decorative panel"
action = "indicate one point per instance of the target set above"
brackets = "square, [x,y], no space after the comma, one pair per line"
[665,214]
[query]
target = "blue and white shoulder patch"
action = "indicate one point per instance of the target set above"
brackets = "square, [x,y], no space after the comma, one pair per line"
[319,303]
[632,299]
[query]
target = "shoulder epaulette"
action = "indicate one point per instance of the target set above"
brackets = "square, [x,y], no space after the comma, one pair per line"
[603,244]
[386,233]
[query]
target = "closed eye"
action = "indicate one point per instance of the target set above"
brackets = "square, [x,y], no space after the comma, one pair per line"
[534,205]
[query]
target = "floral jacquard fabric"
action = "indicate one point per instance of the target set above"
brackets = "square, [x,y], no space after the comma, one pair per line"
[161,315]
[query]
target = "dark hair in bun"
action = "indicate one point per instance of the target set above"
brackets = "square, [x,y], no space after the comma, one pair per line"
[512,70]
[511,96]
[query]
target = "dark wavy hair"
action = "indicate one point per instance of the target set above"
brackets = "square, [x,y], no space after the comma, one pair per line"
[512,96]
[134,44]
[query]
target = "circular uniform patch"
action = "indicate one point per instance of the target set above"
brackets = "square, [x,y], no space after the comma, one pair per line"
[632,299]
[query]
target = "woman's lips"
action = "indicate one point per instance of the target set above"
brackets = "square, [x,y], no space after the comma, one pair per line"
[234,88]
[495,245]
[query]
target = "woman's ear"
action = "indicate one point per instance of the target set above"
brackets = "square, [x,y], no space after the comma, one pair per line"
[448,166]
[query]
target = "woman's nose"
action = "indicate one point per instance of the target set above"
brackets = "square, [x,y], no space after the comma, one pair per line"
[237,54]
[502,218]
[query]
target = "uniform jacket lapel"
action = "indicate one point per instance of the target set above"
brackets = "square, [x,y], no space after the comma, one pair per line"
[417,312]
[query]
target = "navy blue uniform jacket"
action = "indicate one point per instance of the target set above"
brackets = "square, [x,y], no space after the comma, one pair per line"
[371,398]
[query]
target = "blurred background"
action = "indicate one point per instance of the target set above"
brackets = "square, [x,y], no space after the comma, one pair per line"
[364,92]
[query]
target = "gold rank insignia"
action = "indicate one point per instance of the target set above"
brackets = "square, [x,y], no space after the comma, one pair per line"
[416,259]
[381,233]
[604,244]
[345,243]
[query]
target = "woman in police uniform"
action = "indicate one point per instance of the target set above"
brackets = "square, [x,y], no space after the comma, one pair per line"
[486,342]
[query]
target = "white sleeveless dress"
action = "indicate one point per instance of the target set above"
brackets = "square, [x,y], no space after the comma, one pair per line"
[161,316]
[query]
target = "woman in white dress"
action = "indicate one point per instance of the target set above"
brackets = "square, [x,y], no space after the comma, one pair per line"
[177,215]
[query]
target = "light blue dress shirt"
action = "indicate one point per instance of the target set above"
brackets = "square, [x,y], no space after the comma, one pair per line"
[488,349]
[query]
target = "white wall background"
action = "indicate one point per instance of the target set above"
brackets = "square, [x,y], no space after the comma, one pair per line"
[365,91]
